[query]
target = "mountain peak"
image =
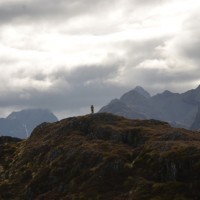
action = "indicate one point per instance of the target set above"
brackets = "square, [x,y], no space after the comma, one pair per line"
[167,92]
[198,88]
[21,123]
[26,112]
[142,91]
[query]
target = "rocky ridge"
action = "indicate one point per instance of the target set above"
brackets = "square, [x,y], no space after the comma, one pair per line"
[102,156]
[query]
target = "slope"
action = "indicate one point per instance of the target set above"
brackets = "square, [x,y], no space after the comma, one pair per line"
[102,156]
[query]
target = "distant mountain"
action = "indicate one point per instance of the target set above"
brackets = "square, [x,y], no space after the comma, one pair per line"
[192,96]
[20,124]
[118,107]
[143,92]
[196,124]
[177,109]
[101,157]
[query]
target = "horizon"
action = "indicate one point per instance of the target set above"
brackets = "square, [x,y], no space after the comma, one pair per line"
[88,108]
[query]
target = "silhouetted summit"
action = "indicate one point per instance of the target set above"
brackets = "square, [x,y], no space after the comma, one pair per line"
[142,91]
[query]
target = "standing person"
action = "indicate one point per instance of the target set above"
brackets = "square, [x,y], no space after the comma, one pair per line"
[92,109]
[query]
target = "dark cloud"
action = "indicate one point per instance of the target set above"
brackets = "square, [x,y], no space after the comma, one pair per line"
[192,51]
[189,43]
[164,76]
[63,10]
[83,74]
[48,9]
[87,85]
[137,51]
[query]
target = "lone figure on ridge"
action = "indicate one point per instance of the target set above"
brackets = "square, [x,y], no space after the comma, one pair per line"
[92,109]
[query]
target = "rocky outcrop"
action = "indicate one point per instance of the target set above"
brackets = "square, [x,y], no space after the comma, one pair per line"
[102,156]
[142,92]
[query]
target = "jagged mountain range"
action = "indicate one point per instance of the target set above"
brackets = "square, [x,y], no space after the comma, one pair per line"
[180,110]
[101,157]
[21,123]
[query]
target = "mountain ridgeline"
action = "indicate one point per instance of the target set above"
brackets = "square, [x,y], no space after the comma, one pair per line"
[101,157]
[20,124]
[180,110]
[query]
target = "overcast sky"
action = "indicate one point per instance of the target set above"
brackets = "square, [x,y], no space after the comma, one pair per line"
[65,55]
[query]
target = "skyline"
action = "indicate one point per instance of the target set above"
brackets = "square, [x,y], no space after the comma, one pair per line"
[67,55]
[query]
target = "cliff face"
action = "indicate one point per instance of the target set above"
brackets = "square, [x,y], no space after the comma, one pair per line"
[102,156]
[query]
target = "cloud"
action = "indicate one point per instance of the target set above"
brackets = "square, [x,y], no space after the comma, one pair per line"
[68,90]
[22,11]
[64,10]
[69,54]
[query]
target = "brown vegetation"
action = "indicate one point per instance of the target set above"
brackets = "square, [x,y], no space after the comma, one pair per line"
[102,156]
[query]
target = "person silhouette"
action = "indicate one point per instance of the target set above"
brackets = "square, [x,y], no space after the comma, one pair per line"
[92,109]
